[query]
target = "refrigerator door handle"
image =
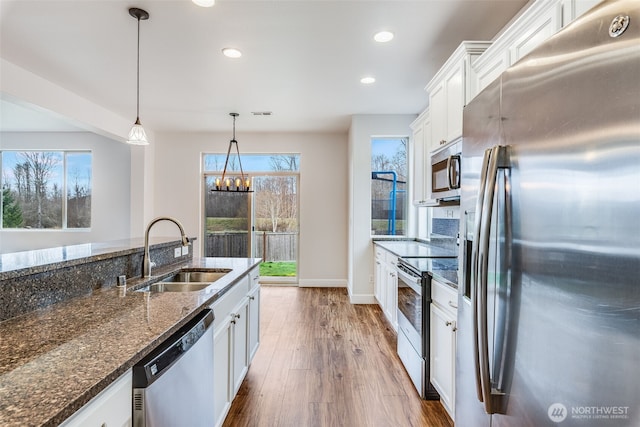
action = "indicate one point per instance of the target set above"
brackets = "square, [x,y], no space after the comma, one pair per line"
[496,160]
[474,270]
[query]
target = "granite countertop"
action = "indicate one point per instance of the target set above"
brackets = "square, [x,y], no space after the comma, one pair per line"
[416,249]
[54,360]
[18,264]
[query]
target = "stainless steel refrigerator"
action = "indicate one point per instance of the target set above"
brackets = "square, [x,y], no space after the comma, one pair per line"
[549,294]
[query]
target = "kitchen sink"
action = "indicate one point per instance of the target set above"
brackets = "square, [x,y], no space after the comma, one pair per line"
[187,280]
[175,287]
[197,276]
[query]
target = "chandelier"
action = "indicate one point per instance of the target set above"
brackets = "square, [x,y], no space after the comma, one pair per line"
[240,183]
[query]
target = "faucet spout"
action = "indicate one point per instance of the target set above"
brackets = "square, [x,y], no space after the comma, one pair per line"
[146,261]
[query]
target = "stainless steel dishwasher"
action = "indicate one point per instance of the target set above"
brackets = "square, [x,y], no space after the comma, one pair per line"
[173,385]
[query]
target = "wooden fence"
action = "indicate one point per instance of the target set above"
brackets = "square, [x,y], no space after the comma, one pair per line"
[268,246]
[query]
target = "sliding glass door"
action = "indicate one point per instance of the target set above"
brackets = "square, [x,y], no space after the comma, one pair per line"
[276,226]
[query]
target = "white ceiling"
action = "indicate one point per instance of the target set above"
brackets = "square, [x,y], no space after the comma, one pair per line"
[302,60]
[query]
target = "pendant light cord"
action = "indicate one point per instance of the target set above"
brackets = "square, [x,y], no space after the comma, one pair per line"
[138,78]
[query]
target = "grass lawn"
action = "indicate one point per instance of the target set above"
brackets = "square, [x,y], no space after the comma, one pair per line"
[278,269]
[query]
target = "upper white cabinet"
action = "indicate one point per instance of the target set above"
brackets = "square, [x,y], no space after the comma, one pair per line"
[421,184]
[571,9]
[535,25]
[450,90]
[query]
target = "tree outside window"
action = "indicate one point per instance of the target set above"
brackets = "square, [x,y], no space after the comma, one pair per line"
[46,189]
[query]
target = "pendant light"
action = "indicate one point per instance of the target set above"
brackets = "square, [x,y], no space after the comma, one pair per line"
[240,183]
[137,135]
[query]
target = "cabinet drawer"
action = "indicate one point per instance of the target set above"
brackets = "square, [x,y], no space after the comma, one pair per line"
[223,306]
[444,296]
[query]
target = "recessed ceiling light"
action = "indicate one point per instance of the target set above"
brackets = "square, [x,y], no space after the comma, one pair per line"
[367,80]
[231,52]
[204,3]
[383,36]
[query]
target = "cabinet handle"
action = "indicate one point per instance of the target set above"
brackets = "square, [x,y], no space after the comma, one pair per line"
[252,298]
[451,304]
[443,141]
[237,316]
[452,324]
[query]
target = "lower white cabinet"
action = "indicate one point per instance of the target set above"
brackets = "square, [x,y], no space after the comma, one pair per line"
[240,347]
[236,340]
[442,343]
[110,408]
[222,371]
[386,284]
[254,320]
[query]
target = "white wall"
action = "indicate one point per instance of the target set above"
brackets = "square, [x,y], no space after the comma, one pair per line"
[110,204]
[363,128]
[323,191]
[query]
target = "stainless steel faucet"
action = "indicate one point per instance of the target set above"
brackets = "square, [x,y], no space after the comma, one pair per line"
[146,261]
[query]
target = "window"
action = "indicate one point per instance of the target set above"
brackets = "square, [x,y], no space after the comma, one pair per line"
[388,186]
[46,189]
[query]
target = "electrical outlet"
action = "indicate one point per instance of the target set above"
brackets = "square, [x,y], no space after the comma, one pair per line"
[185,250]
[177,252]
[449,213]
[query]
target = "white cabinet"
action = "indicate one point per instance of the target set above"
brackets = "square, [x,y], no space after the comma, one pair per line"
[537,23]
[236,340]
[391,309]
[378,273]
[438,109]
[254,319]
[222,366]
[539,28]
[386,284]
[442,343]
[572,9]
[450,90]
[239,346]
[111,407]
[421,177]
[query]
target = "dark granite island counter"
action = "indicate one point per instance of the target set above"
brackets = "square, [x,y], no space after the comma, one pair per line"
[55,359]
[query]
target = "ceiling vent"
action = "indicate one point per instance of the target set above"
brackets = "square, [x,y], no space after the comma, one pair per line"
[261,113]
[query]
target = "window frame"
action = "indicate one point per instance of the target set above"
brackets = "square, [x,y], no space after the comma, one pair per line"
[406,206]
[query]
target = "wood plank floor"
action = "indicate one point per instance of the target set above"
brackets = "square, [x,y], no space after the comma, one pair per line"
[325,362]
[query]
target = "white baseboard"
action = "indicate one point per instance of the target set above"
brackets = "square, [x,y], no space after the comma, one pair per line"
[362,298]
[322,283]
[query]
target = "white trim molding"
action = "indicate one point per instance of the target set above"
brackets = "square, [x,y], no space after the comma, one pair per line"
[361,298]
[322,283]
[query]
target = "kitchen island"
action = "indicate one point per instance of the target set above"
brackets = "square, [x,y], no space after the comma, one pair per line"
[55,359]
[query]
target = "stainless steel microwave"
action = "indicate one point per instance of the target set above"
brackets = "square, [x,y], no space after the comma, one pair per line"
[445,172]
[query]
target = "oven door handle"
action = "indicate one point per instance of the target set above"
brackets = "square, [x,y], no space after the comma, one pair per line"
[412,281]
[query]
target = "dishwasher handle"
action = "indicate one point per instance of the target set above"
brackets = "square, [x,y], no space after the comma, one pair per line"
[171,350]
